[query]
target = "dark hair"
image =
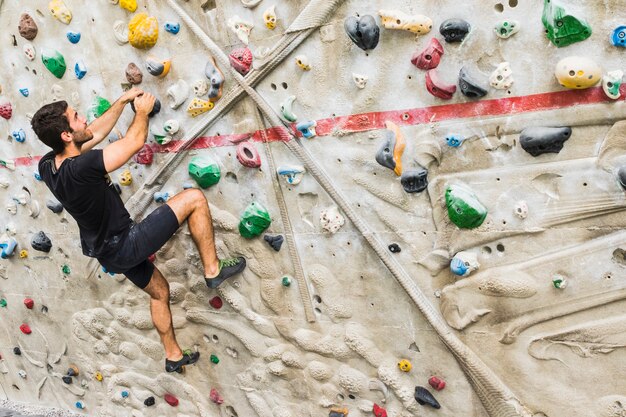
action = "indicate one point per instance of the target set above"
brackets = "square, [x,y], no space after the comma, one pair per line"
[49,122]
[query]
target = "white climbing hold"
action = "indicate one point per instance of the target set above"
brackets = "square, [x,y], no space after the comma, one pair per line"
[521,209]
[29,51]
[178,93]
[359,80]
[120,31]
[171,126]
[241,28]
[331,220]
[502,77]
[250,4]
[201,88]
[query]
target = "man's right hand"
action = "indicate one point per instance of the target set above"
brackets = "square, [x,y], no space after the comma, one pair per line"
[144,103]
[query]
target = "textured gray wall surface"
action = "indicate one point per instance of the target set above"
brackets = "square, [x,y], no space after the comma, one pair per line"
[505,338]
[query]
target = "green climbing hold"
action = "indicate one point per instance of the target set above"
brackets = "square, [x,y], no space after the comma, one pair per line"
[3,302]
[464,209]
[215,359]
[254,220]
[286,281]
[204,170]
[563,28]
[97,108]
[54,61]
[66,269]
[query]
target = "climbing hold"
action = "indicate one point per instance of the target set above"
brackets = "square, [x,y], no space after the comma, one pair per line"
[98,376]
[120,32]
[3,302]
[521,209]
[125,177]
[390,153]
[158,68]
[171,127]
[338,412]
[37,176]
[29,303]
[396,19]
[404,365]
[133,74]
[363,31]
[199,106]
[172,27]
[79,405]
[19,135]
[214,359]
[7,244]
[611,83]
[423,396]
[22,373]
[303,62]
[54,62]
[618,37]
[24,91]
[506,28]
[177,93]
[161,197]
[200,88]
[125,394]
[241,28]
[414,181]
[274,241]
[215,396]
[23,253]
[73,37]
[6,110]
[437,383]
[563,28]
[27,27]
[241,60]
[464,263]
[621,176]
[454,140]
[359,80]
[379,411]
[156,108]
[254,220]
[464,209]
[204,171]
[55,206]
[145,156]
[216,79]
[307,129]
[394,248]
[454,30]
[437,88]
[577,72]
[293,173]
[286,109]
[502,77]
[130,5]
[540,140]
[12,207]
[17,351]
[143,31]
[66,269]
[29,51]
[25,328]
[269,17]
[60,11]
[216,302]
[41,242]
[470,87]
[286,281]
[149,402]
[559,281]
[98,107]
[430,57]
[67,379]
[331,220]
[80,69]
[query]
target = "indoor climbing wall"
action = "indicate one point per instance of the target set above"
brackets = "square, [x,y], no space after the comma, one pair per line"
[429,194]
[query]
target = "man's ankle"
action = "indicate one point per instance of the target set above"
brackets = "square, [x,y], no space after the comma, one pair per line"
[213,272]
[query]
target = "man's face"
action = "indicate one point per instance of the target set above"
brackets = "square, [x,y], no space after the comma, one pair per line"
[78,124]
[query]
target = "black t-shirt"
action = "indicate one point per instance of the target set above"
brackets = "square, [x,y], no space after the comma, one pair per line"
[84,188]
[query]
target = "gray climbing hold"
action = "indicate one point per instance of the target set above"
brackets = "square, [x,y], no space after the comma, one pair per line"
[41,242]
[155,109]
[384,156]
[540,140]
[470,87]
[394,248]
[423,396]
[414,181]
[454,30]
[149,402]
[216,78]
[55,206]
[274,241]
[363,31]
[621,176]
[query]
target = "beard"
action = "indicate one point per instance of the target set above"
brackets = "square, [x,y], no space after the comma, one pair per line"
[81,136]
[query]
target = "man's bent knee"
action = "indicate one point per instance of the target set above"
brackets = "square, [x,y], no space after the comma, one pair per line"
[185,202]
[158,288]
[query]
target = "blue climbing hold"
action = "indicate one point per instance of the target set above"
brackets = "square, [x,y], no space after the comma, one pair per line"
[618,38]
[125,394]
[454,140]
[24,91]
[187,185]
[7,244]
[79,405]
[307,129]
[80,69]
[37,176]
[172,27]
[458,267]
[161,197]
[73,37]
[19,135]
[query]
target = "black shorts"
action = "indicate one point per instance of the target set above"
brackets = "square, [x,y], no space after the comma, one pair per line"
[143,239]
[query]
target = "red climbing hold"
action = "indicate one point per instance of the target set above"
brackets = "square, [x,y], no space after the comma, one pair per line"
[241,60]
[25,328]
[248,156]
[437,383]
[171,400]
[215,396]
[29,303]
[152,257]
[6,110]
[216,302]
[379,411]
[430,57]
[437,88]
[144,156]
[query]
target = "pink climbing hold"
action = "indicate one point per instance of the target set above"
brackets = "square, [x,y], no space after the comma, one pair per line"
[25,328]
[29,303]
[437,383]
[144,156]
[215,396]
[216,302]
[6,110]
[171,400]
[241,60]
[430,57]
[248,155]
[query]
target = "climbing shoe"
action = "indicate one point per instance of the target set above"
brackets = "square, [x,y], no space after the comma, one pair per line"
[188,358]
[228,268]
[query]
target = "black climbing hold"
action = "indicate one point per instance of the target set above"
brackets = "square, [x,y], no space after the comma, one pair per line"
[394,248]
[155,109]
[414,181]
[274,241]
[117,188]
[149,401]
[423,396]
[470,87]
[55,206]
[17,351]
[621,176]
[454,30]
[384,156]
[363,31]
[67,379]
[41,242]
[539,140]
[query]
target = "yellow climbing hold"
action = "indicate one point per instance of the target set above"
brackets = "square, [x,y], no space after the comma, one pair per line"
[143,31]
[125,177]
[98,376]
[130,5]
[199,106]
[404,365]
[60,11]
[23,253]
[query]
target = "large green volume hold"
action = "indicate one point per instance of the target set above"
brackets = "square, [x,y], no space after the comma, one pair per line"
[464,209]
[204,170]
[254,220]
[54,61]
[563,28]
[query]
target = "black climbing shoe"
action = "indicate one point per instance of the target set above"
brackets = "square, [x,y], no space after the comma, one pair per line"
[228,268]
[188,358]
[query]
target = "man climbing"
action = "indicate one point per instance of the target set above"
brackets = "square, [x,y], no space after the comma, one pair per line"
[78,177]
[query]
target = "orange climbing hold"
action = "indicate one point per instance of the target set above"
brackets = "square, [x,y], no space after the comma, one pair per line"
[398,149]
